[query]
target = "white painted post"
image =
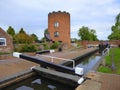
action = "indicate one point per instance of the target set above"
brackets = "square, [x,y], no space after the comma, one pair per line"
[16,54]
[80,80]
[52,51]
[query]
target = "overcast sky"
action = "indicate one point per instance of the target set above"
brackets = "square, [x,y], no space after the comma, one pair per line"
[32,15]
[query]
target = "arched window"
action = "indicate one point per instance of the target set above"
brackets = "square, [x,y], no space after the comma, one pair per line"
[56,34]
[2,41]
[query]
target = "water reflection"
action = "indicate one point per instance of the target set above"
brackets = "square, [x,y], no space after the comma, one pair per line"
[88,63]
[39,83]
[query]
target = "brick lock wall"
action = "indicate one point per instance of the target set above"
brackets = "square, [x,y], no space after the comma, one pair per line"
[112,42]
[63,18]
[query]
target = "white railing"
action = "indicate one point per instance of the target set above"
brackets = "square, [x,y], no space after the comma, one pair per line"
[106,51]
[54,58]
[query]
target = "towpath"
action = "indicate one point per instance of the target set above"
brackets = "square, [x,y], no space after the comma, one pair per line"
[100,81]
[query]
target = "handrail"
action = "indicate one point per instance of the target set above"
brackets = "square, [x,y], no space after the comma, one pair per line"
[105,51]
[53,57]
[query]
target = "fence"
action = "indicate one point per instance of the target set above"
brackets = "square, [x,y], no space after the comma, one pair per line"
[54,58]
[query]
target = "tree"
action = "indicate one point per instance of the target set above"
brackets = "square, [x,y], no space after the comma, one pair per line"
[46,36]
[22,31]
[74,39]
[35,38]
[11,31]
[46,31]
[115,35]
[93,35]
[22,37]
[86,34]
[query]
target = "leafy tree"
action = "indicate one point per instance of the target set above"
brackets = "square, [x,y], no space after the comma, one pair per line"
[115,35]
[74,39]
[22,31]
[93,35]
[22,37]
[86,34]
[46,31]
[11,31]
[46,36]
[43,39]
[35,38]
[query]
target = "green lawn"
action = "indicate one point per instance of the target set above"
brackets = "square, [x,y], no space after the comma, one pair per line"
[108,62]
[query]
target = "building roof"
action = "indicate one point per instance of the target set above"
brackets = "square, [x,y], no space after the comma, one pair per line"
[4,34]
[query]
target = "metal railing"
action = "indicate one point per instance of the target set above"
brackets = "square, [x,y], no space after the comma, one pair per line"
[54,58]
[106,51]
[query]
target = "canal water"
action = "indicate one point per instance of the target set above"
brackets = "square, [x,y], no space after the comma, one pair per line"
[88,63]
[40,83]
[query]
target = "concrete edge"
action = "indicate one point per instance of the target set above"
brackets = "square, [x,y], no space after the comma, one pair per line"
[89,85]
[84,55]
[79,57]
[15,78]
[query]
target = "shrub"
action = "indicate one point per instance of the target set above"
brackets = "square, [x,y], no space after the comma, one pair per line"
[55,45]
[28,48]
[46,46]
[2,53]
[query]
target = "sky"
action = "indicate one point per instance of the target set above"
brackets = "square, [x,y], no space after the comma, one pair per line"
[32,15]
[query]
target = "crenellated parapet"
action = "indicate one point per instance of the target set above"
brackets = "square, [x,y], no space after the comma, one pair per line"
[58,12]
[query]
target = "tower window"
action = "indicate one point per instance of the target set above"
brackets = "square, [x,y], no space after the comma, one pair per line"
[56,24]
[2,41]
[56,34]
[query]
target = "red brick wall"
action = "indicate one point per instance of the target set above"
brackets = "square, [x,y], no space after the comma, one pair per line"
[9,44]
[85,43]
[64,26]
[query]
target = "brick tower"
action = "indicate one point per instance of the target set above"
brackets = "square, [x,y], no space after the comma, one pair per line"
[59,27]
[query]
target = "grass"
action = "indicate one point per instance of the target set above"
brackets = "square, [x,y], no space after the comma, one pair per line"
[116,57]
[104,69]
[2,53]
